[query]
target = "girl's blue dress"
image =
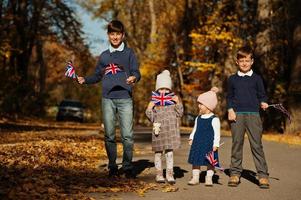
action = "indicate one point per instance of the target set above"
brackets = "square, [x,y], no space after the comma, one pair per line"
[202,142]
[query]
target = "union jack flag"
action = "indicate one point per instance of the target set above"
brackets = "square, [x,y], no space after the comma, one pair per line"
[212,157]
[112,69]
[70,71]
[162,99]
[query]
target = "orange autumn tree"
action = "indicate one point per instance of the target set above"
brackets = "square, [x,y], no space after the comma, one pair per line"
[59,87]
[25,29]
[164,24]
[150,26]
[213,41]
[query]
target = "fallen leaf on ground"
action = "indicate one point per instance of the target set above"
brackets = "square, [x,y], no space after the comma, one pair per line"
[58,164]
[170,188]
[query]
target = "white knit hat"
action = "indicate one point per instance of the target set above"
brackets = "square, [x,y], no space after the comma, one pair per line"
[163,80]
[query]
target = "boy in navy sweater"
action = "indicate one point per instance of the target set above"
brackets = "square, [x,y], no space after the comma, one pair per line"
[118,70]
[246,95]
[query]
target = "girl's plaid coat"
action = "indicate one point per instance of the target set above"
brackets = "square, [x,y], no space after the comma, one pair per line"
[169,117]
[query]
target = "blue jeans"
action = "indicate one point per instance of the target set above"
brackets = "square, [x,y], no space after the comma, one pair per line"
[121,109]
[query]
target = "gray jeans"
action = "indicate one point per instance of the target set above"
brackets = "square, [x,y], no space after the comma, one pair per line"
[123,110]
[250,123]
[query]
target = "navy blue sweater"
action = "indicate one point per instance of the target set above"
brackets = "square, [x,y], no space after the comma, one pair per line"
[114,86]
[245,93]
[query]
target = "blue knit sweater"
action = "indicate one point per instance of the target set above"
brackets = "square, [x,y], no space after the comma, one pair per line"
[115,86]
[245,93]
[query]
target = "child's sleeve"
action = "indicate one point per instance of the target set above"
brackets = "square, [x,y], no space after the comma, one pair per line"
[97,76]
[150,114]
[134,66]
[230,94]
[179,109]
[216,124]
[261,95]
[191,136]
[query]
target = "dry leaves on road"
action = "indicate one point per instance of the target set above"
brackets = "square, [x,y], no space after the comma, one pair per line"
[57,164]
[169,188]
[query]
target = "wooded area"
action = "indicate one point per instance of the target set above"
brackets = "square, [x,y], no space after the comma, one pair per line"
[195,39]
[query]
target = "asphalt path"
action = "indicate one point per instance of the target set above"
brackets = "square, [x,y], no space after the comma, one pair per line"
[283,161]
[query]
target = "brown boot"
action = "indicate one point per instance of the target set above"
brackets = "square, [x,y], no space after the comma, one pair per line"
[264,183]
[233,181]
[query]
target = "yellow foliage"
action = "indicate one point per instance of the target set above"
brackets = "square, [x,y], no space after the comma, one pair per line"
[190,87]
[170,188]
[201,66]
[288,139]
[217,34]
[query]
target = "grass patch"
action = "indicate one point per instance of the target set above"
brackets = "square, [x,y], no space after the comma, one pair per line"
[283,138]
[294,139]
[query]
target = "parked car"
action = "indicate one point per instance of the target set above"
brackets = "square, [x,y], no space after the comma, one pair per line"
[70,110]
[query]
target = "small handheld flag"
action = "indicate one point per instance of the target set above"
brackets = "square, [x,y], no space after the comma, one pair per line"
[280,107]
[162,99]
[212,157]
[70,71]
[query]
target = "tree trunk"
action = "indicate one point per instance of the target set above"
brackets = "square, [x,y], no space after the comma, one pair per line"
[153,32]
[43,69]
[295,78]
[220,80]
[178,64]
[263,41]
[269,61]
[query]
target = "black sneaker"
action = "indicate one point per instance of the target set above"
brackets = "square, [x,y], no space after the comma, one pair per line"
[113,173]
[130,174]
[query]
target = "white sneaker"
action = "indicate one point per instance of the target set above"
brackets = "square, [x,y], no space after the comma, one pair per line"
[160,178]
[208,181]
[169,176]
[194,181]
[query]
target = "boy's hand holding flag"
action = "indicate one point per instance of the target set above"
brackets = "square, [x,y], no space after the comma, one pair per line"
[70,71]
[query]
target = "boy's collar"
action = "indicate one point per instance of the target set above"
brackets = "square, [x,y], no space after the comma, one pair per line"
[120,48]
[249,73]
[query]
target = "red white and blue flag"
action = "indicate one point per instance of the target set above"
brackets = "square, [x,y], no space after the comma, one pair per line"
[112,69]
[70,71]
[212,158]
[163,99]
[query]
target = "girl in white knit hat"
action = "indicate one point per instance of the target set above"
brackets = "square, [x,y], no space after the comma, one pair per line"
[166,134]
[205,137]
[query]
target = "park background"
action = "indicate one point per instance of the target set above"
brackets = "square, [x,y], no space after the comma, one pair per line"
[195,40]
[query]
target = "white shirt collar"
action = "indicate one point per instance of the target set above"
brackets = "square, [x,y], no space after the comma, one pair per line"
[249,73]
[205,116]
[120,48]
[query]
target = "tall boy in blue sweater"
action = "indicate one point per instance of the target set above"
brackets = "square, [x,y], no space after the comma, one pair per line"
[246,95]
[118,70]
